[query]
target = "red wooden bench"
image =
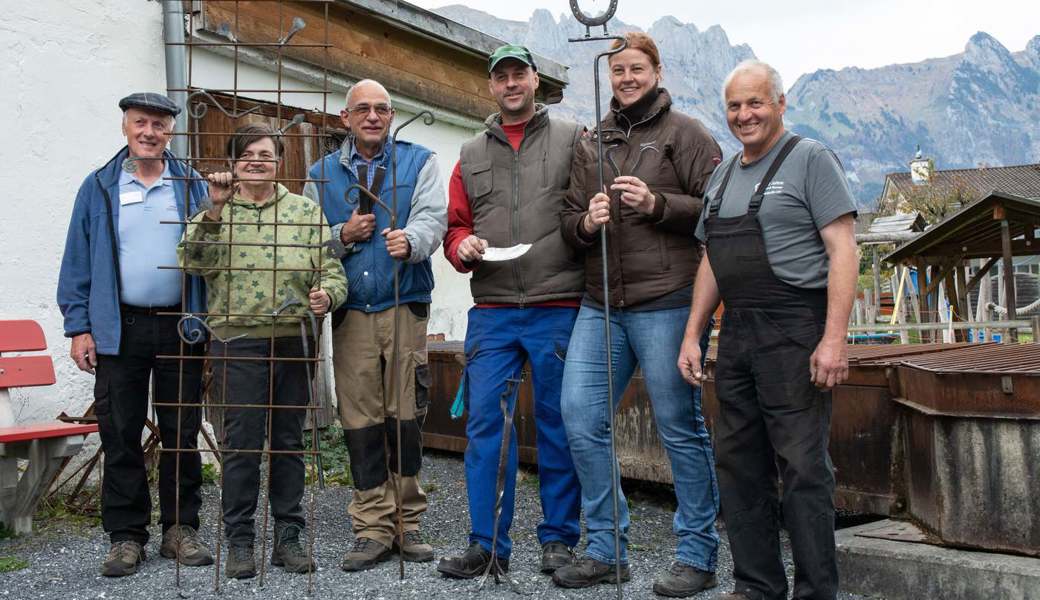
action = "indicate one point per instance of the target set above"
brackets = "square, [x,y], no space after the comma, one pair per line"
[46,445]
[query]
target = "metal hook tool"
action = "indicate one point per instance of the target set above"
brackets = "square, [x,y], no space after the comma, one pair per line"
[507,403]
[589,23]
[391,210]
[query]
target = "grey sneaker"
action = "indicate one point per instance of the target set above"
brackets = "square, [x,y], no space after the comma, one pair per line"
[182,542]
[240,563]
[681,581]
[288,552]
[365,554]
[123,558]
[415,548]
[588,572]
[555,554]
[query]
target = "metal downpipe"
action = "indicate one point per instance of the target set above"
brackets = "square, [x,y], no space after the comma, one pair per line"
[176,70]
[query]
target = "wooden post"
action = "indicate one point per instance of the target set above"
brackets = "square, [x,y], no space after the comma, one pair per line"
[954,297]
[1009,277]
[922,298]
[877,281]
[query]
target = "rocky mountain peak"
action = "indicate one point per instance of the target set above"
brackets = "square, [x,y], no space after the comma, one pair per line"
[977,106]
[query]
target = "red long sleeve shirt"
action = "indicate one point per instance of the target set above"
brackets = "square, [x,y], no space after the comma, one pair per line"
[460,219]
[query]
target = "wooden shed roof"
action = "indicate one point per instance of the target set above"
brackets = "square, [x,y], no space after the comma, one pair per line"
[974,231]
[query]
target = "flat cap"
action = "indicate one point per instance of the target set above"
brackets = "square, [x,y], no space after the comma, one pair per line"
[150,101]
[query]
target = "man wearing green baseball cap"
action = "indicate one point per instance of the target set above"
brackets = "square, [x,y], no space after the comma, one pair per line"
[525,309]
[515,52]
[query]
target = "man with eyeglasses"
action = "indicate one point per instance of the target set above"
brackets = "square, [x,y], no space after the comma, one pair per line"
[362,335]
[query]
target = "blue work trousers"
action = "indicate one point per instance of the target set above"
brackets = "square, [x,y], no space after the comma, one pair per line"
[498,343]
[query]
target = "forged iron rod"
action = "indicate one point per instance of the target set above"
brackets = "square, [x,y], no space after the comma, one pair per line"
[614,474]
[394,383]
[507,404]
[391,210]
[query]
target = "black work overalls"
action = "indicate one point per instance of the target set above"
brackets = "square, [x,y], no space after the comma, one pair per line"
[770,413]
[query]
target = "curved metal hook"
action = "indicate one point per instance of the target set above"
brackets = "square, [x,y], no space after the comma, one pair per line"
[427,118]
[590,21]
[196,336]
[363,190]
[199,110]
[130,162]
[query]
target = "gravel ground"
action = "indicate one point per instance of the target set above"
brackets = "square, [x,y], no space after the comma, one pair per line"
[64,557]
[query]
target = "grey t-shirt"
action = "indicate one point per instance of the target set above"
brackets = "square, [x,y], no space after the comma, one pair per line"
[806,194]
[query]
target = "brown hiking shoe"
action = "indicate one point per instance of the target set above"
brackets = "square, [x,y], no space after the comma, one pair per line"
[240,563]
[123,558]
[415,548]
[365,554]
[555,554]
[588,572]
[288,552]
[473,563]
[682,581]
[183,543]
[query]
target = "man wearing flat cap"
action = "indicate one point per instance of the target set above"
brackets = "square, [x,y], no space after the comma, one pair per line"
[508,188]
[113,296]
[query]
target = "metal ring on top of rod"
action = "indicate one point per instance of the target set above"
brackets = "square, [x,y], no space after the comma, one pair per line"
[589,22]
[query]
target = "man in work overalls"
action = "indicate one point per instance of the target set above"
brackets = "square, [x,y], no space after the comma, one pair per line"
[778,226]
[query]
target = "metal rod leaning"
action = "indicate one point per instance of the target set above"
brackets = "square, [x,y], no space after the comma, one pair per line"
[589,23]
[391,210]
[511,392]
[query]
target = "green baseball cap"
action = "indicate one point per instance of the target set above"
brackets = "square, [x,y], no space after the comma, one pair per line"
[510,51]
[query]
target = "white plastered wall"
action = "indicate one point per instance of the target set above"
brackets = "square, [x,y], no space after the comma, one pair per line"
[66,65]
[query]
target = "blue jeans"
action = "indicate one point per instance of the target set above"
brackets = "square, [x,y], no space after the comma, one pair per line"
[498,342]
[650,339]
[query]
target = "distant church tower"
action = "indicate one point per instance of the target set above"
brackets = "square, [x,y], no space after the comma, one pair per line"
[921,168]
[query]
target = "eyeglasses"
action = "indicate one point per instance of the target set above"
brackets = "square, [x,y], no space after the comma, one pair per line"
[362,110]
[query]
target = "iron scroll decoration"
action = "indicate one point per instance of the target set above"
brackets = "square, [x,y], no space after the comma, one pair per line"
[589,21]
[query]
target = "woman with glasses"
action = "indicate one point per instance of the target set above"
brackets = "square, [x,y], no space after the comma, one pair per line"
[260,249]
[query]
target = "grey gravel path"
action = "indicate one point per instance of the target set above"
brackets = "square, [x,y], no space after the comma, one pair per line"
[64,558]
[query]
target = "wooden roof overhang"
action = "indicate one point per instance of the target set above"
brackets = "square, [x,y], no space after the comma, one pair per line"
[975,231]
[413,52]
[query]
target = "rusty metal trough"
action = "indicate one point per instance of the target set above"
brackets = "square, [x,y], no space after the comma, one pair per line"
[947,435]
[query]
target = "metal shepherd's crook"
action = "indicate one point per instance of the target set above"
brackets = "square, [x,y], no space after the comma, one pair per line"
[391,210]
[589,22]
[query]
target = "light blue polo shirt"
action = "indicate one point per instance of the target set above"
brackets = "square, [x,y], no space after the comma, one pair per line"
[145,243]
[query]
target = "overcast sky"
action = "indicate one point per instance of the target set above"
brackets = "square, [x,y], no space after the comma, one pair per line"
[800,36]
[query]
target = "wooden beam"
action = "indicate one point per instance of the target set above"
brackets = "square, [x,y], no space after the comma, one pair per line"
[962,293]
[977,277]
[1018,248]
[1009,277]
[947,267]
[922,295]
[364,47]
